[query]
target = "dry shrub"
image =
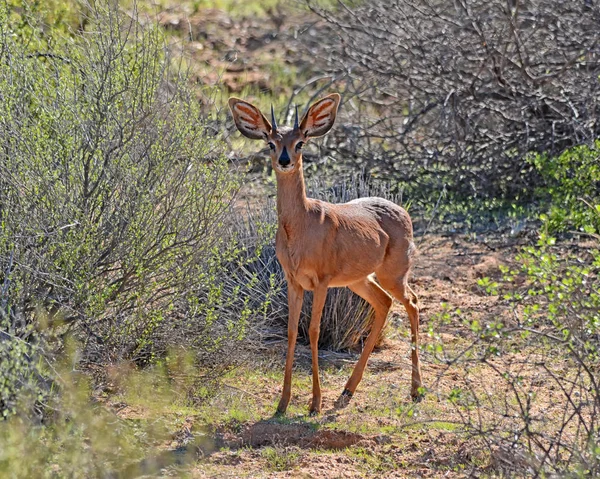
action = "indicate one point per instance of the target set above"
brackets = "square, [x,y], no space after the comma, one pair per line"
[457,93]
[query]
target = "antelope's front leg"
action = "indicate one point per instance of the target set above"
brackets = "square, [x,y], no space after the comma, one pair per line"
[319,296]
[295,296]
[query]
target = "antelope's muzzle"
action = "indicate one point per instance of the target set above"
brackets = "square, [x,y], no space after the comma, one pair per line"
[284,158]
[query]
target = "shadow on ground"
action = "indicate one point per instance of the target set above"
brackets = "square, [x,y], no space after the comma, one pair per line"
[273,431]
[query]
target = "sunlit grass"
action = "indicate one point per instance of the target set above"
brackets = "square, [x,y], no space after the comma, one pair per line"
[281,458]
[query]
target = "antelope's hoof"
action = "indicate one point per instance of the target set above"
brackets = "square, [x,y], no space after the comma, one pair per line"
[281,408]
[279,413]
[417,393]
[315,408]
[344,399]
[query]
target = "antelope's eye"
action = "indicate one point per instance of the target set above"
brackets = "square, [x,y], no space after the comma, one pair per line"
[299,145]
[272,145]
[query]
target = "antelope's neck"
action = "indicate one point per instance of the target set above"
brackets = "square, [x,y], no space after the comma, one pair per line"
[291,197]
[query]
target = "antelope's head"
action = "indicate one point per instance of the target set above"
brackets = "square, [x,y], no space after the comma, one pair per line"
[285,143]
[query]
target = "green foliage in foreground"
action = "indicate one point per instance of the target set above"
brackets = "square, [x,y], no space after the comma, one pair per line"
[113,199]
[85,438]
[82,440]
[550,346]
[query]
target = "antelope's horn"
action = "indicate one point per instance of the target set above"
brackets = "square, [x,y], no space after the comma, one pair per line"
[296,125]
[273,118]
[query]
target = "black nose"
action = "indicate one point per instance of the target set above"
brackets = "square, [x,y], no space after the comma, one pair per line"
[284,158]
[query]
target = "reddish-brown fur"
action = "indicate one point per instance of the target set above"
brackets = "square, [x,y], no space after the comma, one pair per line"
[322,245]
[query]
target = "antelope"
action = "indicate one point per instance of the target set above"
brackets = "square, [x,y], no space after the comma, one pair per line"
[322,245]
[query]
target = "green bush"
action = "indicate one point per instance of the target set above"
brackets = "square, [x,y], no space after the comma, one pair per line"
[544,410]
[113,198]
[572,187]
[560,317]
[37,22]
[564,290]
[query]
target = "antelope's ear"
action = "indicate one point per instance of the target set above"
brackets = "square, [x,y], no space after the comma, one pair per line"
[320,116]
[249,120]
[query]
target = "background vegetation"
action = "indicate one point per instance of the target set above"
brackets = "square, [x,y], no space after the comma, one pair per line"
[142,309]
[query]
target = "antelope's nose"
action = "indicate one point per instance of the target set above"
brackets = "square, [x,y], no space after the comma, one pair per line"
[284,158]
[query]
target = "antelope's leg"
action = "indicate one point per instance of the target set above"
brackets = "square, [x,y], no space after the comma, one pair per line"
[319,296]
[402,292]
[381,302]
[295,296]
[411,304]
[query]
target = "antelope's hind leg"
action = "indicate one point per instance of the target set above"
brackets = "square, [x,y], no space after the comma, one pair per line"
[401,290]
[369,290]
